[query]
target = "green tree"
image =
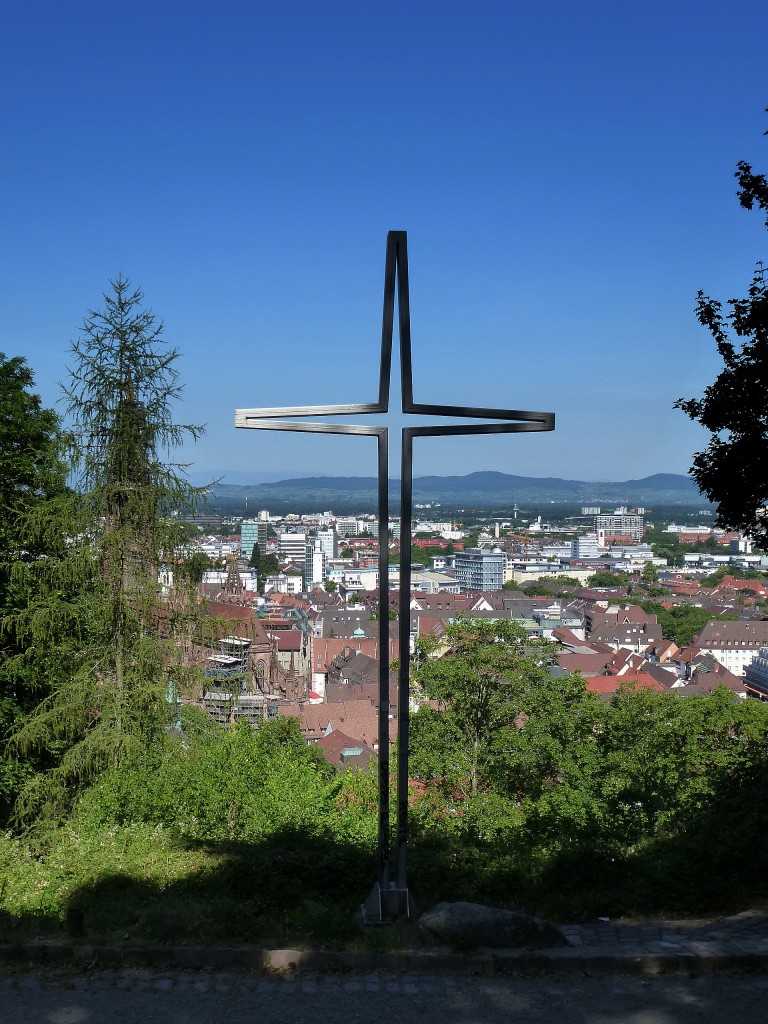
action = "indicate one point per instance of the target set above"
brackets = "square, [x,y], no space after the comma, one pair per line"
[511,585]
[32,472]
[503,723]
[662,759]
[732,471]
[268,566]
[715,578]
[255,558]
[608,579]
[650,573]
[113,666]
[538,589]
[194,566]
[391,615]
[682,622]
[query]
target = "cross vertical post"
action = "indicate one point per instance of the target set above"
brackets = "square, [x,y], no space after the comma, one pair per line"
[404,689]
[383,723]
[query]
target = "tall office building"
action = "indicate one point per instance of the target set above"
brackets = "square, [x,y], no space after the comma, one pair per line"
[253,531]
[479,569]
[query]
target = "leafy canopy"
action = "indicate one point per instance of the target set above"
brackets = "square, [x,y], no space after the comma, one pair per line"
[502,720]
[732,470]
[32,474]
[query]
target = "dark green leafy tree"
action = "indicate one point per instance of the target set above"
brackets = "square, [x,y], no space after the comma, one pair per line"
[650,573]
[268,566]
[569,581]
[503,722]
[732,471]
[682,622]
[536,589]
[511,585]
[32,473]
[607,579]
[97,613]
[662,758]
[265,565]
[714,579]
[32,466]
[193,567]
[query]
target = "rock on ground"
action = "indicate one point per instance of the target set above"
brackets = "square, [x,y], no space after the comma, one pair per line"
[472,924]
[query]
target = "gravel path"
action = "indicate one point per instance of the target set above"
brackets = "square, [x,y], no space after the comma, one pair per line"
[176,997]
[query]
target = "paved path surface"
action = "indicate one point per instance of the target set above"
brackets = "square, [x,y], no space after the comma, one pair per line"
[147,997]
[740,933]
[614,972]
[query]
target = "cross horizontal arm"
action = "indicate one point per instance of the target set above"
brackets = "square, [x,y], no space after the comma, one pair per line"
[364,409]
[546,419]
[306,428]
[479,428]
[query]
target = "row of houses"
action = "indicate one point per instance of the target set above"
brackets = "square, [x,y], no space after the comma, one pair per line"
[315,658]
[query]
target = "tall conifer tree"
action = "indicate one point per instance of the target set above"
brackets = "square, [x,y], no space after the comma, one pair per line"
[116,664]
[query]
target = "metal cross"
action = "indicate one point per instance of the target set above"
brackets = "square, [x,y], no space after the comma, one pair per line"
[389,898]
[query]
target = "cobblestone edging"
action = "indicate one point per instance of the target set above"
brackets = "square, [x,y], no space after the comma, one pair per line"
[696,957]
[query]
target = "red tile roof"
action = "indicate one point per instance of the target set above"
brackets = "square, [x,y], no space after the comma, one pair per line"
[356,718]
[325,649]
[241,621]
[587,664]
[630,681]
[287,639]
[565,636]
[335,743]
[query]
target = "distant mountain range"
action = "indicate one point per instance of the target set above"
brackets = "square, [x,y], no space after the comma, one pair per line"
[482,489]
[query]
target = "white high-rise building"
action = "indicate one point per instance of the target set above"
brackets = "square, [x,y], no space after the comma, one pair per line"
[314,564]
[293,546]
[328,542]
[621,523]
[586,546]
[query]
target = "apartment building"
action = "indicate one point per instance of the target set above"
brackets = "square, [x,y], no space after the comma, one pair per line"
[293,546]
[622,523]
[734,644]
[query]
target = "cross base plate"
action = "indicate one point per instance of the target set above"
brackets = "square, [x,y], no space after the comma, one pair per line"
[384,906]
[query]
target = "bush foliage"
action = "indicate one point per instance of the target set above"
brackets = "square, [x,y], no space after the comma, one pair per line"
[564,805]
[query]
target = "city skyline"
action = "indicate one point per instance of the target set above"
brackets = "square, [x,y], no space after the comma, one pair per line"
[565,177]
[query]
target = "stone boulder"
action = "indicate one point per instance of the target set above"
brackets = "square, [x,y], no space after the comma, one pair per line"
[472,924]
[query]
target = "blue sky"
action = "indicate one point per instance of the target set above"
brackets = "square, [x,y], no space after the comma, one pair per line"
[564,172]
